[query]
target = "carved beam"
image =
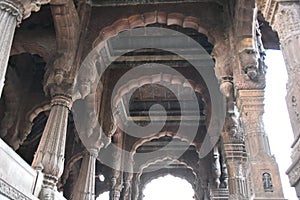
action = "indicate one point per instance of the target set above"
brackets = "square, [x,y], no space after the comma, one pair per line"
[66,23]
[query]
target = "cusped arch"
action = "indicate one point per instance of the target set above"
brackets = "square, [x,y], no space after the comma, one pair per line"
[164,173]
[156,79]
[167,158]
[142,141]
[31,115]
[148,18]
[33,47]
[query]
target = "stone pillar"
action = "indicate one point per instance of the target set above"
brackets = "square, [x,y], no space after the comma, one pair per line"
[216,167]
[117,178]
[261,162]
[135,186]
[235,155]
[11,14]
[128,176]
[285,19]
[51,150]
[85,184]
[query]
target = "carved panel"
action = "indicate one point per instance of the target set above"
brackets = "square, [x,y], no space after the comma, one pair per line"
[287,19]
[11,192]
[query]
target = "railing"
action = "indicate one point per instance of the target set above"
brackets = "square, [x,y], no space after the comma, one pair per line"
[18,180]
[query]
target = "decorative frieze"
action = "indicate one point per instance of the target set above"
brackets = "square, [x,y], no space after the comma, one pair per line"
[10,192]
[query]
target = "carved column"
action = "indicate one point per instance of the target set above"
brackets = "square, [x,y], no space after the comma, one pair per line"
[135,186]
[216,167]
[235,156]
[11,14]
[128,175]
[85,184]
[251,106]
[51,150]
[284,16]
[117,179]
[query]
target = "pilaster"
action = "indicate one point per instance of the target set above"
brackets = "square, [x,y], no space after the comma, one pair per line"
[51,150]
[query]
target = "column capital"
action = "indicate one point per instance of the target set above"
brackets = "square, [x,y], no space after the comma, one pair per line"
[63,100]
[22,9]
[250,100]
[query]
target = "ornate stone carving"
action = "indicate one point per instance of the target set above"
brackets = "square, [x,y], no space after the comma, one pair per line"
[117,178]
[294,172]
[128,178]
[21,9]
[224,175]
[222,55]
[50,152]
[249,62]
[216,167]
[66,23]
[233,130]
[12,9]
[11,192]
[287,19]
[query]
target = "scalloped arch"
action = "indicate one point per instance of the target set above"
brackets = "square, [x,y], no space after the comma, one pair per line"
[158,78]
[144,19]
[142,141]
[163,159]
[31,115]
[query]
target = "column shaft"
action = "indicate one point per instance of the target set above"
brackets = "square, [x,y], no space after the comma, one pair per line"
[251,103]
[51,149]
[117,179]
[235,155]
[85,185]
[8,22]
